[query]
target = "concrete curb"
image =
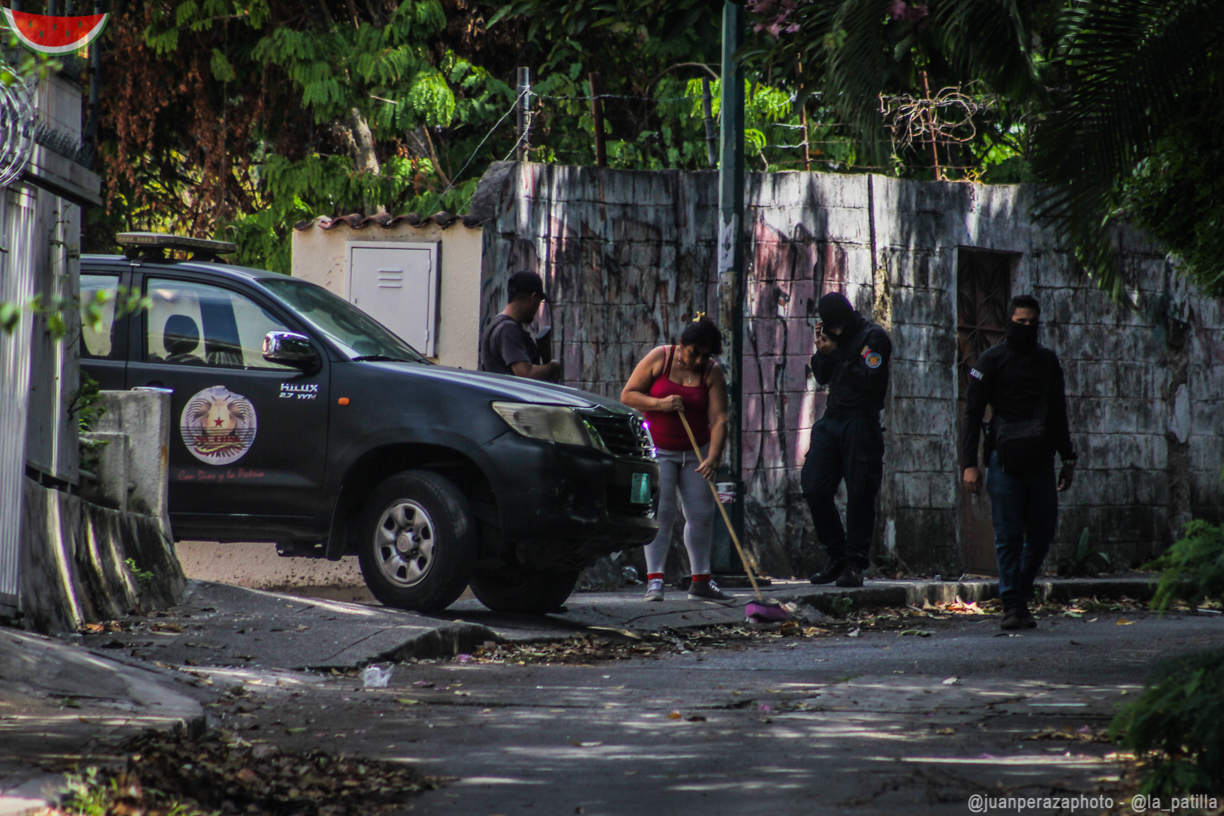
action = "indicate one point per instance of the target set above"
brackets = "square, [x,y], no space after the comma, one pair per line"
[445,641]
[900,594]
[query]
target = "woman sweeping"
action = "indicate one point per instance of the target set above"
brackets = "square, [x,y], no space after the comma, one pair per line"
[668,380]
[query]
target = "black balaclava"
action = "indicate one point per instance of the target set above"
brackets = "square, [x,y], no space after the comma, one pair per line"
[1020,336]
[835,311]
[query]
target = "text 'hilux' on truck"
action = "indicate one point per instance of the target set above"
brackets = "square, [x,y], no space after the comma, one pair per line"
[298,419]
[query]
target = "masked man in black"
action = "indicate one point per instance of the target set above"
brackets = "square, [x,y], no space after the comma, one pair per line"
[1022,381]
[852,355]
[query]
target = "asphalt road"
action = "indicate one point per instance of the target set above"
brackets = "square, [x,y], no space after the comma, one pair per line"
[881,722]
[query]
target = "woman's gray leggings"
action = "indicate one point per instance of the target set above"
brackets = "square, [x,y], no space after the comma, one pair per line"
[678,474]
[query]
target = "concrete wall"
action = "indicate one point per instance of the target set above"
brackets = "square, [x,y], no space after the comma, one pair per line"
[629,257]
[76,548]
[74,564]
[320,250]
[129,455]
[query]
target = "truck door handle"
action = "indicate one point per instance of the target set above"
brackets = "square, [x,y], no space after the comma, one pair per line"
[154,386]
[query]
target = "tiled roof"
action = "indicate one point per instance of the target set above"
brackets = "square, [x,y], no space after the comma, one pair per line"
[386,221]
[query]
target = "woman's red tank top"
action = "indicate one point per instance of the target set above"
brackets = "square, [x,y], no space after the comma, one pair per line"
[665,426]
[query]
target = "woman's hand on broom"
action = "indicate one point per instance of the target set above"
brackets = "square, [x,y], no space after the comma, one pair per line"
[708,468]
[672,404]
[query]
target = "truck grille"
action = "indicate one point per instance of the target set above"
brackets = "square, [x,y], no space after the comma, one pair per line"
[622,435]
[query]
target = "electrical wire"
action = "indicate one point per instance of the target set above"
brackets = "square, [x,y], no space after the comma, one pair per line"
[475,152]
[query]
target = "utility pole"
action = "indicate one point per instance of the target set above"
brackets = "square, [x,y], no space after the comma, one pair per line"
[601,149]
[707,111]
[731,275]
[524,114]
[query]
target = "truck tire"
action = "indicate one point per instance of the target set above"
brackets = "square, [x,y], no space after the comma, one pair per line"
[529,592]
[418,542]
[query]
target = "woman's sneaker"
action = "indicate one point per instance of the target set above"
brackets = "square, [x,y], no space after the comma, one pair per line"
[654,590]
[707,591]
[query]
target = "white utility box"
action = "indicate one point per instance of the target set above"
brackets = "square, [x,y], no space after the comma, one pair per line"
[396,283]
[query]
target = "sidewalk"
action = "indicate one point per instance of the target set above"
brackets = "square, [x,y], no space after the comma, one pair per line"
[60,701]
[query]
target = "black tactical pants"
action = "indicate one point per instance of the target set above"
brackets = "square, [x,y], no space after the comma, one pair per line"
[850,448]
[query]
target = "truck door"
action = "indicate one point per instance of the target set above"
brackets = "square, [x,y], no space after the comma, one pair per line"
[103,328]
[247,437]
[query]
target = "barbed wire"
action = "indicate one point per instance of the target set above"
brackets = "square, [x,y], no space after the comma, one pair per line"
[618,96]
[510,110]
[943,117]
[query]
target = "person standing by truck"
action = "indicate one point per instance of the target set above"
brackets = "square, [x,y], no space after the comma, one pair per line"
[852,355]
[507,347]
[668,380]
[1022,381]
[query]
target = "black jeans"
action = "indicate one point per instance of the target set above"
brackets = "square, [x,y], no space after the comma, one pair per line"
[850,449]
[1024,509]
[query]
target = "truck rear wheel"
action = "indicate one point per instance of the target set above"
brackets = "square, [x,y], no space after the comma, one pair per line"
[418,542]
[531,592]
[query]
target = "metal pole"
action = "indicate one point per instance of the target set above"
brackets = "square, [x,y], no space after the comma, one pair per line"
[807,152]
[731,265]
[95,88]
[707,110]
[601,149]
[524,114]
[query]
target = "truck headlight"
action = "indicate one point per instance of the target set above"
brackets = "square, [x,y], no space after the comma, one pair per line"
[552,423]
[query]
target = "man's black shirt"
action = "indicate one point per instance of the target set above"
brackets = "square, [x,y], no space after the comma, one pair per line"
[1011,381]
[857,370]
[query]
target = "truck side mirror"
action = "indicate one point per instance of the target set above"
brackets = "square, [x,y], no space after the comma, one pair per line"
[291,349]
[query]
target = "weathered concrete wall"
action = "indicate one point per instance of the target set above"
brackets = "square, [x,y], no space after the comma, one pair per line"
[74,562]
[628,258]
[320,250]
[132,445]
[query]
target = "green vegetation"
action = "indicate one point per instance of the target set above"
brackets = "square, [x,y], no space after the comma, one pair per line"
[1082,559]
[143,577]
[1177,726]
[243,117]
[91,793]
[1192,570]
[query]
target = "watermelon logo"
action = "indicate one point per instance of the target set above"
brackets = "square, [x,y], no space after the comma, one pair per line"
[55,35]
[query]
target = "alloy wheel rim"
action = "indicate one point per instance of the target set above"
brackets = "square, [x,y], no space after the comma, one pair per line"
[404,543]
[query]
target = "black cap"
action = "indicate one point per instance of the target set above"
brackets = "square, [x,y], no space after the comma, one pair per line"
[525,282]
[834,309]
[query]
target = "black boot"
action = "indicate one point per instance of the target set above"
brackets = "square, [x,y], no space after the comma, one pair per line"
[829,574]
[851,576]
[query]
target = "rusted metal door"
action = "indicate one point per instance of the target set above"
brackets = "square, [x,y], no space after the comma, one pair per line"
[983,288]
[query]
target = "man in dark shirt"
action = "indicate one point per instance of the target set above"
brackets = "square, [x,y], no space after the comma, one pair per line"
[1022,381]
[507,347]
[852,355]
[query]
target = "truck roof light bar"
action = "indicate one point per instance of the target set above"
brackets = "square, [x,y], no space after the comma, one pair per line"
[137,244]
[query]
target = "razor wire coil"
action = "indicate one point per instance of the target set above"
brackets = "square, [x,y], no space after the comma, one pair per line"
[17,127]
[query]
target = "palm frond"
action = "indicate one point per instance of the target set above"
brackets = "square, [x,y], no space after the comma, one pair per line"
[1125,64]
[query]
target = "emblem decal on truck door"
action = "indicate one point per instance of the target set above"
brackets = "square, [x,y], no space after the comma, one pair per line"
[218,426]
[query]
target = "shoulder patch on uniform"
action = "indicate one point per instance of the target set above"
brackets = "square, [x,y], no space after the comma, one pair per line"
[873,359]
[973,372]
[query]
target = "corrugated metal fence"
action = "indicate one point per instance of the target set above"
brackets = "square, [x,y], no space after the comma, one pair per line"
[18,216]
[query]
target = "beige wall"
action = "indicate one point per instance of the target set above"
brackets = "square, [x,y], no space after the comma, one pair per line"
[319,256]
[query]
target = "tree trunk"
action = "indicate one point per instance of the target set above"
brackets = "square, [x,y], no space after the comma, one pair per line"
[365,160]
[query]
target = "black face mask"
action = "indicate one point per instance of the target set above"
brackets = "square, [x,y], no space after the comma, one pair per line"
[1021,336]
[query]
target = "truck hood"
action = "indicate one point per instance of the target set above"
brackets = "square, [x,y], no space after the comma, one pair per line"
[504,386]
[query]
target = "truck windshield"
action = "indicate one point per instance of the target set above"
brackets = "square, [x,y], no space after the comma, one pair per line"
[357,334]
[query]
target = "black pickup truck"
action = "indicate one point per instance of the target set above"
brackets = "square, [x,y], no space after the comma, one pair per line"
[297,419]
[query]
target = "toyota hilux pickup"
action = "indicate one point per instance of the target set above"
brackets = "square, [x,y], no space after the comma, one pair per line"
[299,420]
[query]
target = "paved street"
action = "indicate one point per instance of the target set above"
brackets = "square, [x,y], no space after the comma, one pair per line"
[903,714]
[879,723]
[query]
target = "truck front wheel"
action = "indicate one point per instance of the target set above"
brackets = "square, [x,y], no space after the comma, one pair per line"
[531,592]
[418,542]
